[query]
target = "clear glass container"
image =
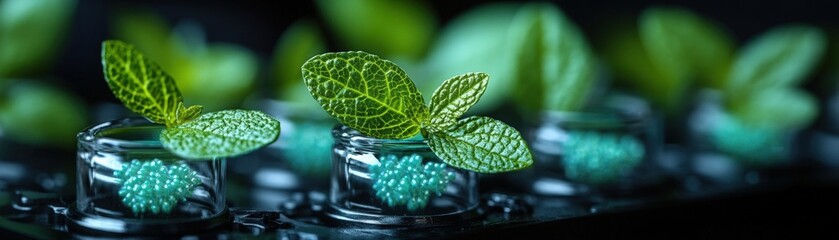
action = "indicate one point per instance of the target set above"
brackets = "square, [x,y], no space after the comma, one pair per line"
[728,151]
[396,182]
[608,150]
[128,183]
[297,163]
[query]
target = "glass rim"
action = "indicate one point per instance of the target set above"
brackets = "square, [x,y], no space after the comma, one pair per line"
[292,110]
[95,135]
[605,117]
[343,133]
[615,111]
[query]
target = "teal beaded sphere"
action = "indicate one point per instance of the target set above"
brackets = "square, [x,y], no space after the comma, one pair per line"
[600,158]
[754,145]
[407,181]
[308,149]
[152,187]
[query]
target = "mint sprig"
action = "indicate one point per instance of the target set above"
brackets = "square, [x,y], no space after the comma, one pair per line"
[143,87]
[377,98]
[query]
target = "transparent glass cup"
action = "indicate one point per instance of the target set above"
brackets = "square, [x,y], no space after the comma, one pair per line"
[727,151]
[396,182]
[299,162]
[607,150]
[128,183]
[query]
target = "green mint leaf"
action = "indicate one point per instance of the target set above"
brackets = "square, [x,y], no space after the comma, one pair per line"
[141,85]
[481,144]
[682,45]
[454,98]
[555,67]
[187,114]
[781,57]
[366,93]
[220,134]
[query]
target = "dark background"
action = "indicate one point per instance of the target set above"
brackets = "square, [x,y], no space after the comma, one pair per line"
[258,24]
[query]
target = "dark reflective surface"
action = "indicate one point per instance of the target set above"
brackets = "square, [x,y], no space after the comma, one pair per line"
[786,202]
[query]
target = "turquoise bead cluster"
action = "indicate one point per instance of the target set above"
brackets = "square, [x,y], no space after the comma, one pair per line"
[599,158]
[152,187]
[754,145]
[408,182]
[308,148]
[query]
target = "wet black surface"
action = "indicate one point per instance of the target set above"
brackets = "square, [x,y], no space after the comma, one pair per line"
[792,212]
[784,203]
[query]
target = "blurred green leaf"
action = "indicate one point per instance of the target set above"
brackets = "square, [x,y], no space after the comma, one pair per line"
[784,108]
[780,57]
[476,41]
[30,33]
[299,42]
[39,114]
[382,27]
[148,32]
[555,68]
[627,59]
[684,46]
[217,76]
